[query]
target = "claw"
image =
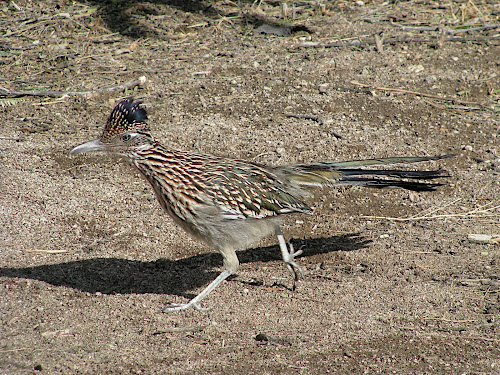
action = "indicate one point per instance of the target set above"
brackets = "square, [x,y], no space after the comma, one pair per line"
[288,255]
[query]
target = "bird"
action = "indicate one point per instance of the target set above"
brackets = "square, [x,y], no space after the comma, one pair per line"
[231,204]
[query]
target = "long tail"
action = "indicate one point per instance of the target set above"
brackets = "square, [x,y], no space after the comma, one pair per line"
[346,173]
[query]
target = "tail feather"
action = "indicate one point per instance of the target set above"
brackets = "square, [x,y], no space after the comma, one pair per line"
[383,161]
[395,173]
[342,173]
[380,183]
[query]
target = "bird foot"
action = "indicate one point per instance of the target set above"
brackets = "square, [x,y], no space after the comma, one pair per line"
[288,257]
[288,254]
[194,302]
[184,306]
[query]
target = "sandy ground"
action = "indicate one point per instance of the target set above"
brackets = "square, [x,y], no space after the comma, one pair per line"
[87,257]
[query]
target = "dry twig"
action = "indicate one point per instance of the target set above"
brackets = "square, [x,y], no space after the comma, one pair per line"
[454,100]
[355,42]
[305,117]
[4,92]
[45,251]
[318,119]
[481,211]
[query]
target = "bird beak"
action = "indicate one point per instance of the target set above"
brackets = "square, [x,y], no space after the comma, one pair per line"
[95,145]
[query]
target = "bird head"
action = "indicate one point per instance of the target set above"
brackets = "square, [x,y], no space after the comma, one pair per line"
[125,129]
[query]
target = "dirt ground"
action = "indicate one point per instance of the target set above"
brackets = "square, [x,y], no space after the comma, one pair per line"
[88,257]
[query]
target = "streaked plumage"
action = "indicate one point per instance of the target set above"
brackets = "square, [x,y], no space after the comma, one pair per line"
[229,203]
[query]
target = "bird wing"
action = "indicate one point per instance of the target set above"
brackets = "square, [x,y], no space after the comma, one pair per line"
[246,190]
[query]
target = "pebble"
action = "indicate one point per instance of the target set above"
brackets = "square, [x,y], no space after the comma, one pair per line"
[261,337]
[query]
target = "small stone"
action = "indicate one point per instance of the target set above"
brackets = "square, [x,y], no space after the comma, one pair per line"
[262,337]
[416,68]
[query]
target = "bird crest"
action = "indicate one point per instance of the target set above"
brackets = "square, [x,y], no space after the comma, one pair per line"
[127,116]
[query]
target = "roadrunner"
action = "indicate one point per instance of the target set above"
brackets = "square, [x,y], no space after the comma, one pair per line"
[231,204]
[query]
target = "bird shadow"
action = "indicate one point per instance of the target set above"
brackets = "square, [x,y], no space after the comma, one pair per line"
[164,276]
[122,16]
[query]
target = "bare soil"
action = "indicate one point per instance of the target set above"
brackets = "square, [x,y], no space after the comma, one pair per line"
[87,257]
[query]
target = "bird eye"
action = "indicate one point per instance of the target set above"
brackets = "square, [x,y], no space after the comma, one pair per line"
[126,137]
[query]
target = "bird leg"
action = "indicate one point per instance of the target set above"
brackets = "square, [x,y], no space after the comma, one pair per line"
[194,302]
[288,255]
